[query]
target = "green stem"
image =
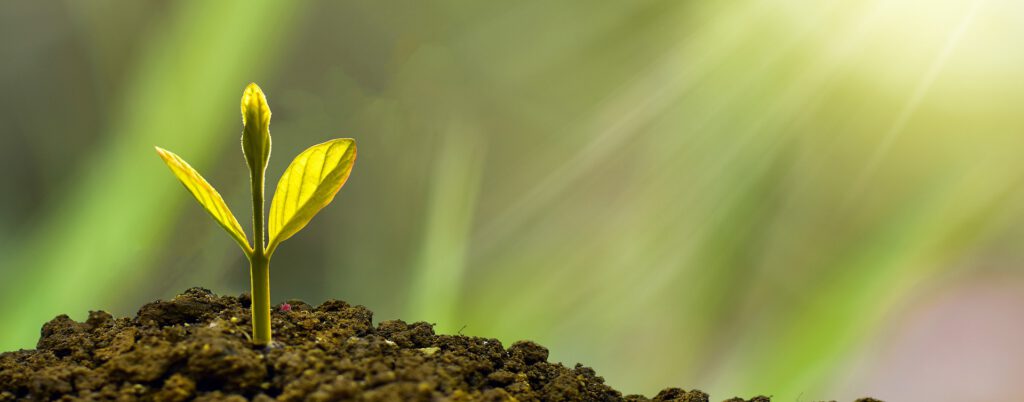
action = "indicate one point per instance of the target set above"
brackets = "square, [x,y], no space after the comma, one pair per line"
[259,262]
[259,272]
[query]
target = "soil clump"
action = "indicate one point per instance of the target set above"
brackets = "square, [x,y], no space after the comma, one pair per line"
[196,347]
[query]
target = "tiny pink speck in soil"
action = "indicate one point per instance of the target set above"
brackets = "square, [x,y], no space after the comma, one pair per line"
[286,307]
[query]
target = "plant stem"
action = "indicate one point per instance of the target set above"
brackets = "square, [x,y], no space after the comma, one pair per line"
[259,274]
[259,262]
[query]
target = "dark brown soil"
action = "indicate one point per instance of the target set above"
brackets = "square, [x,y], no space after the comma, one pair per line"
[196,347]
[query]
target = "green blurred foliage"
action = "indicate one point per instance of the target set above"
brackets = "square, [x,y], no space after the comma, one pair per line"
[733,196]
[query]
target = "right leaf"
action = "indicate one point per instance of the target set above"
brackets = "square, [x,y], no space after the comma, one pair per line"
[307,186]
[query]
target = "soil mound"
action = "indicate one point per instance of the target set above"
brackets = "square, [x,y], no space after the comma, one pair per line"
[196,347]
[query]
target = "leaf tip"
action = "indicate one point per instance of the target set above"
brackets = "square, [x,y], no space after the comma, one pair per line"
[164,154]
[254,104]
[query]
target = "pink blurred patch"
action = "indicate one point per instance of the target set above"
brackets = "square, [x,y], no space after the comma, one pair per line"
[965,343]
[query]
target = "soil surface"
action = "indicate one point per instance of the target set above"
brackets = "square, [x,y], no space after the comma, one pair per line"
[196,347]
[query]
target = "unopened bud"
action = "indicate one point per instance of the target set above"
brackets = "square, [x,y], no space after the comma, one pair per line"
[256,131]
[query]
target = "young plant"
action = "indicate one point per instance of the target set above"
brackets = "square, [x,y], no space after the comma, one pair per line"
[307,186]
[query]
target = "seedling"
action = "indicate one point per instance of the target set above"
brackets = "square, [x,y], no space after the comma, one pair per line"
[307,186]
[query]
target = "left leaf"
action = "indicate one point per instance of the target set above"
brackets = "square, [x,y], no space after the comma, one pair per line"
[207,196]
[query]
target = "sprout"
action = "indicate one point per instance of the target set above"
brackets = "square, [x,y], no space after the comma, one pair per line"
[307,186]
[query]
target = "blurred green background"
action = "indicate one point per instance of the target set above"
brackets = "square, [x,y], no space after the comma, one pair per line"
[811,200]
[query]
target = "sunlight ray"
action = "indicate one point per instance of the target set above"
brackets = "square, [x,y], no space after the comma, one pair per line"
[913,103]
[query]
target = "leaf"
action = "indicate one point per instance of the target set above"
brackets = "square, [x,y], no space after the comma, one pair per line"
[207,196]
[307,186]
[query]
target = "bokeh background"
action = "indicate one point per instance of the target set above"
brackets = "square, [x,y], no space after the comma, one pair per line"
[807,199]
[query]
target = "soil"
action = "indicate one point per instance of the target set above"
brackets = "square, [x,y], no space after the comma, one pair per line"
[196,347]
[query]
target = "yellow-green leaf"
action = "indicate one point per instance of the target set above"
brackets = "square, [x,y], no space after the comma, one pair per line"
[308,185]
[207,196]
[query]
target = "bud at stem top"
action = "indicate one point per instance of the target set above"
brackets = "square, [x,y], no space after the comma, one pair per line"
[256,131]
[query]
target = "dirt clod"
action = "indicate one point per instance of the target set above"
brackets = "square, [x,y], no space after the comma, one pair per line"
[197,347]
